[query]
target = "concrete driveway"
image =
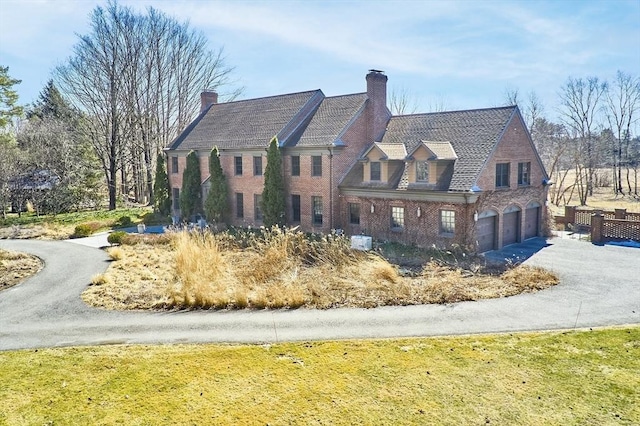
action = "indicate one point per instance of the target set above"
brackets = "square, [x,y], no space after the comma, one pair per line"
[600,286]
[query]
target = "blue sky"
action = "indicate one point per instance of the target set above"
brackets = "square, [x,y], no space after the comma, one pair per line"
[460,54]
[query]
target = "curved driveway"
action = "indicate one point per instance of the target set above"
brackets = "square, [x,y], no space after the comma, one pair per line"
[600,285]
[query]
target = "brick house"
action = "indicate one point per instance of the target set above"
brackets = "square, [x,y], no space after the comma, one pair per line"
[468,178]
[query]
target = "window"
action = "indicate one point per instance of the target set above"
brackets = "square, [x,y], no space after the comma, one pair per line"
[316,165]
[238,164]
[354,213]
[422,171]
[397,218]
[257,166]
[316,208]
[502,175]
[239,205]
[295,165]
[295,208]
[175,197]
[174,164]
[447,221]
[257,207]
[524,174]
[375,170]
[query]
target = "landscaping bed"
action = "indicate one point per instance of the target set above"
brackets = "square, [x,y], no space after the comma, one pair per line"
[279,268]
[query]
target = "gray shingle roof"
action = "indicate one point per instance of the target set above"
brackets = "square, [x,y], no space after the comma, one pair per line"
[473,134]
[248,123]
[331,119]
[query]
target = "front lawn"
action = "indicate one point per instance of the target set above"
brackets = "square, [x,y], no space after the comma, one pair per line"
[63,225]
[555,378]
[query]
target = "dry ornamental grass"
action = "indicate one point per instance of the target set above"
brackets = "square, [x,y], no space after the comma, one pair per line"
[16,267]
[284,269]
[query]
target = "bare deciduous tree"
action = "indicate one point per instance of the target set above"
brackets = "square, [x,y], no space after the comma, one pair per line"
[136,76]
[401,102]
[622,105]
[581,101]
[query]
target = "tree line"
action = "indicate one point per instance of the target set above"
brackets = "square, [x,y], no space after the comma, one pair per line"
[128,89]
[594,142]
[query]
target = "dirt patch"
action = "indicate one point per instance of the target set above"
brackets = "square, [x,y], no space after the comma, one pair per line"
[16,267]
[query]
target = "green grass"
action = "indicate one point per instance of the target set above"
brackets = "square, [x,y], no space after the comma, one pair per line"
[568,378]
[75,218]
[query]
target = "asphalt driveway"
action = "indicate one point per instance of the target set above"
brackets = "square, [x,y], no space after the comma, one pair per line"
[600,286]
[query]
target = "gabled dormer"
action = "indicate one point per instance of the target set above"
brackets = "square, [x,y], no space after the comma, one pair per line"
[380,161]
[430,163]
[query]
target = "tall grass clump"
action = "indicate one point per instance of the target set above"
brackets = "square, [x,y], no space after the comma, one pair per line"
[202,272]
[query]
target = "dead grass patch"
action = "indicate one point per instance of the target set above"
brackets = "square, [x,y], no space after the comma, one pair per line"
[15,267]
[287,269]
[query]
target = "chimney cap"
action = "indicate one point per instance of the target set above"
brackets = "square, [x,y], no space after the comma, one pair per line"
[376,71]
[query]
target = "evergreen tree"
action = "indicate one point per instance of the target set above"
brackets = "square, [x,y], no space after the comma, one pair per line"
[273,202]
[161,200]
[191,193]
[216,204]
[8,98]
[51,104]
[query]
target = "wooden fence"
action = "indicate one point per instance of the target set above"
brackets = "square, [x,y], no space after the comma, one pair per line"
[603,225]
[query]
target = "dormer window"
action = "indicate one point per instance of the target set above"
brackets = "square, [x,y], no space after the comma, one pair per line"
[375,170]
[422,171]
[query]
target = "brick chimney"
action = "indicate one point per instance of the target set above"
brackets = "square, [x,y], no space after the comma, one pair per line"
[377,112]
[207,98]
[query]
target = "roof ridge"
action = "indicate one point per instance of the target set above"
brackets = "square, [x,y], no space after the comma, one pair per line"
[270,97]
[344,96]
[454,111]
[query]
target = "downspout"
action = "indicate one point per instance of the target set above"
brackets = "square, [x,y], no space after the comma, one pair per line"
[330,188]
[467,222]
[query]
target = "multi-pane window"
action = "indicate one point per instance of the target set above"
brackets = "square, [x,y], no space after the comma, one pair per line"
[447,221]
[375,170]
[257,207]
[175,198]
[502,175]
[257,166]
[239,205]
[397,217]
[174,164]
[354,213]
[316,165]
[524,174]
[316,208]
[295,165]
[295,208]
[238,165]
[422,171]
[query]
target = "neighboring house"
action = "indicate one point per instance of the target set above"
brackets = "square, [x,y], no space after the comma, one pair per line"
[31,186]
[467,178]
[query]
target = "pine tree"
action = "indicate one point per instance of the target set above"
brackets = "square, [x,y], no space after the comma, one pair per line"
[191,193]
[161,200]
[216,204]
[273,202]
[8,98]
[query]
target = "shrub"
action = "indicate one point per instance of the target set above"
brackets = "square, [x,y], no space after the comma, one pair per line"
[155,219]
[85,229]
[123,222]
[116,237]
